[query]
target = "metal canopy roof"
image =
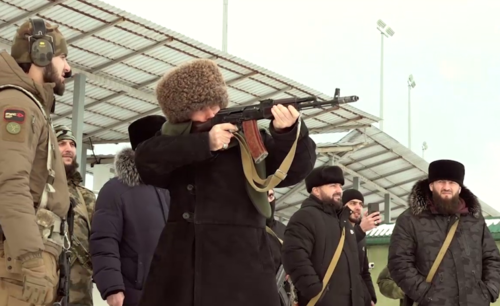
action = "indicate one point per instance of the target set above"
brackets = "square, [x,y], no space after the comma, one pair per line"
[123,57]
[382,164]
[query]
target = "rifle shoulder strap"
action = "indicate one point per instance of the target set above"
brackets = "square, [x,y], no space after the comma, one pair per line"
[442,251]
[440,256]
[50,147]
[253,178]
[331,268]
[270,231]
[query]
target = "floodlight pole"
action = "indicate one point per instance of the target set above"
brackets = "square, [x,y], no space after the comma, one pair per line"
[409,115]
[387,32]
[224,27]
[381,80]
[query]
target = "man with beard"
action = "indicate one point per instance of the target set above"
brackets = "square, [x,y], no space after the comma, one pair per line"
[469,273]
[80,264]
[354,200]
[34,197]
[311,239]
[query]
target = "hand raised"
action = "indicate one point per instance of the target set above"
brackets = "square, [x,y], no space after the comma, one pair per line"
[284,117]
[370,222]
[220,135]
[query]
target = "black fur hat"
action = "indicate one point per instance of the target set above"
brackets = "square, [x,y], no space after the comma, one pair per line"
[190,87]
[144,128]
[445,169]
[352,194]
[324,175]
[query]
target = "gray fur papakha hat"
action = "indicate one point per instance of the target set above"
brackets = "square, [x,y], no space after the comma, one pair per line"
[191,87]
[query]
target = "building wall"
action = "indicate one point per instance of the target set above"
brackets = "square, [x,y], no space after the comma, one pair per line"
[378,255]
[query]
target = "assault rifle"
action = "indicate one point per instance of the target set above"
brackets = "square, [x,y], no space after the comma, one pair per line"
[245,117]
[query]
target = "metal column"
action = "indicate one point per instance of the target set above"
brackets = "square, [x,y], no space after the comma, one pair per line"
[355,183]
[224,27]
[387,208]
[77,122]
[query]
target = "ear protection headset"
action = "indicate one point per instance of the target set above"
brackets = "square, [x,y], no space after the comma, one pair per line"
[41,45]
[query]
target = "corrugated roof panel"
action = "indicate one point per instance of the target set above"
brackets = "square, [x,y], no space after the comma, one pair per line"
[111,111]
[132,104]
[127,73]
[154,67]
[107,51]
[85,59]
[89,10]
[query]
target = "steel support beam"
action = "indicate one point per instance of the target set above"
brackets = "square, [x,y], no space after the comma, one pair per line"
[372,184]
[77,122]
[289,194]
[338,128]
[130,55]
[387,208]
[27,15]
[355,183]
[94,31]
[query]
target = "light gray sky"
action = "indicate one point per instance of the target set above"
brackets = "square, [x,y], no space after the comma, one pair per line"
[451,47]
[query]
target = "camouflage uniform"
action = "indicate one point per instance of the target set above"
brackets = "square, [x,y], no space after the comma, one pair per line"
[81,265]
[388,287]
[34,197]
[469,274]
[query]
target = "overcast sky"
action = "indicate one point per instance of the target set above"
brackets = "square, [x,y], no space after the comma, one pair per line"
[451,47]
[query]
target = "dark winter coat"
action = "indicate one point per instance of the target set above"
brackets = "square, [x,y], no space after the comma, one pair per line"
[274,243]
[214,249]
[127,223]
[311,238]
[469,274]
[364,266]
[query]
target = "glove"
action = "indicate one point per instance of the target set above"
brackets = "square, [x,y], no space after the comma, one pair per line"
[37,286]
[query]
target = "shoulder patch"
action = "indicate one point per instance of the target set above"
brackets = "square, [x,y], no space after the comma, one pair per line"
[12,127]
[14,115]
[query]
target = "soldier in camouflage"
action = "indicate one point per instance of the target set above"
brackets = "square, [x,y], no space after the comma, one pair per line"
[469,273]
[81,265]
[34,197]
[388,287]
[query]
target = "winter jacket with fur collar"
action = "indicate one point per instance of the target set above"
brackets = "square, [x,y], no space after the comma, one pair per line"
[128,221]
[469,274]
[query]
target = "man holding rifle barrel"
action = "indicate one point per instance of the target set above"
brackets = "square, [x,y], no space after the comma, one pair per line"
[214,248]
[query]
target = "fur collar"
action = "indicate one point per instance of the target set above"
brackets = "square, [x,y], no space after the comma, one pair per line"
[420,192]
[125,169]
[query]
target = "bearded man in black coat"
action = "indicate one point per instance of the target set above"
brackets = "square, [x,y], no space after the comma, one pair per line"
[214,249]
[311,239]
[469,273]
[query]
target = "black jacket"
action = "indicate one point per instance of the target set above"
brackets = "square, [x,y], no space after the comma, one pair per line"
[274,244]
[469,274]
[129,217]
[214,249]
[311,238]
[365,272]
